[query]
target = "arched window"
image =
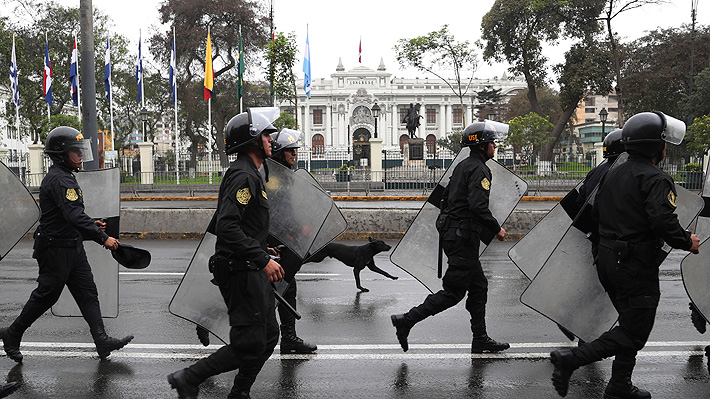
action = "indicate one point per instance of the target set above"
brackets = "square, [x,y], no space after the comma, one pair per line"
[402,139]
[430,144]
[318,143]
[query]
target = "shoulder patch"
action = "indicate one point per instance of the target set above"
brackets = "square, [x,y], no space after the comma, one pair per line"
[486,184]
[72,195]
[243,195]
[672,198]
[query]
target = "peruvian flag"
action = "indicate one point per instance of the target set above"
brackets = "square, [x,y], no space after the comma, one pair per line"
[47,81]
[359,57]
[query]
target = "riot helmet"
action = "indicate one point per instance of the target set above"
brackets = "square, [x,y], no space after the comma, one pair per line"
[613,146]
[483,133]
[64,138]
[646,133]
[286,138]
[246,127]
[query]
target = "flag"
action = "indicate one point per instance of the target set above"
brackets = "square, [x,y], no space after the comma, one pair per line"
[209,72]
[307,69]
[47,80]
[139,71]
[240,69]
[359,56]
[14,85]
[107,70]
[74,75]
[171,72]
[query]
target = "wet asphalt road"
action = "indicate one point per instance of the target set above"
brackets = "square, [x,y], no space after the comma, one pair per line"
[358,353]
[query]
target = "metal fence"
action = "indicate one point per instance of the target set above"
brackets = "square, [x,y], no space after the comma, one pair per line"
[342,171]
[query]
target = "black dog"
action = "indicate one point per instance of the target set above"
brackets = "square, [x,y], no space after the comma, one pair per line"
[356,256]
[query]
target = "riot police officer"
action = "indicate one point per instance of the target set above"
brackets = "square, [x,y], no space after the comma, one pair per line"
[612,148]
[241,265]
[285,152]
[634,207]
[59,248]
[465,220]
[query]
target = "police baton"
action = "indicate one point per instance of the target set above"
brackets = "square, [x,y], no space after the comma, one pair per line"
[282,301]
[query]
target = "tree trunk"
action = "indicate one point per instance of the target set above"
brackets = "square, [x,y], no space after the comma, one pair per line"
[617,71]
[546,153]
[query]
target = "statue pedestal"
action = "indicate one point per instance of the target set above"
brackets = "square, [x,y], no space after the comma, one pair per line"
[414,152]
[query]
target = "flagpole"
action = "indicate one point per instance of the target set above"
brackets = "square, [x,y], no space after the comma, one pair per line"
[142,86]
[209,128]
[110,95]
[241,98]
[177,143]
[18,143]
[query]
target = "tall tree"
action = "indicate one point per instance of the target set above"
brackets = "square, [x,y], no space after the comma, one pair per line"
[612,10]
[437,53]
[514,31]
[191,18]
[698,103]
[656,73]
[548,98]
[281,53]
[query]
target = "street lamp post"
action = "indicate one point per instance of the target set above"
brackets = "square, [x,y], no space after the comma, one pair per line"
[376,113]
[603,114]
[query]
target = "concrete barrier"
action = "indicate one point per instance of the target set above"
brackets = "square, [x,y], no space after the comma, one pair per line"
[373,222]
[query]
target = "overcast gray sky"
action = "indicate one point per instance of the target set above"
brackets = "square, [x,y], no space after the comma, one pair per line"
[335,27]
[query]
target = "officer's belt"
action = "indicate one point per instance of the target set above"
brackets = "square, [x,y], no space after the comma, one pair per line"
[467,224]
[645,251]
[42,241]
[230,265]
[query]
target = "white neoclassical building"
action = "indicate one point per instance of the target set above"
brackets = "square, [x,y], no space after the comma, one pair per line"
[339,112]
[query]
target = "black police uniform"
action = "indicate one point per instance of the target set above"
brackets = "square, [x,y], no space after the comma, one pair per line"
[634,207]
[241,224]
[60,253]
[469,221]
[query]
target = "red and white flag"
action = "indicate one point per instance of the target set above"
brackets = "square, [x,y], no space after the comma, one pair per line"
[359,57]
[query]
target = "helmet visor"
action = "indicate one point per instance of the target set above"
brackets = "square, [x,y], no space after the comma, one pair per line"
[499,130]
[261,118]
[84,146]
[674,131]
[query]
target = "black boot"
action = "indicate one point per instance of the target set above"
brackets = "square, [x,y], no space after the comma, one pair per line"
[242,386]
[482,342]
[8,388]
[485,343]
[620,386]
[291,344]
[11,338]
[402,324]
[187,387]
[105,344]
[697,319]
[565,363]
[203,335]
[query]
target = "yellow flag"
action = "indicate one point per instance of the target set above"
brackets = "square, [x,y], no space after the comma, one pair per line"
[209,72]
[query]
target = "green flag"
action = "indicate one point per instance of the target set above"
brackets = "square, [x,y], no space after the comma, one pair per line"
[240,69]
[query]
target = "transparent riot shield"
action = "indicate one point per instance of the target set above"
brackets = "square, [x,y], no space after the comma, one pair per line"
[335,223]
[102,199]
[416,253]
[695,269]
[19,213]
[531,252]
[298,207]
[567,289]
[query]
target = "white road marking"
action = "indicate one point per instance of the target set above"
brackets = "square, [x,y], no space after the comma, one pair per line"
[347,352]
[182,274]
